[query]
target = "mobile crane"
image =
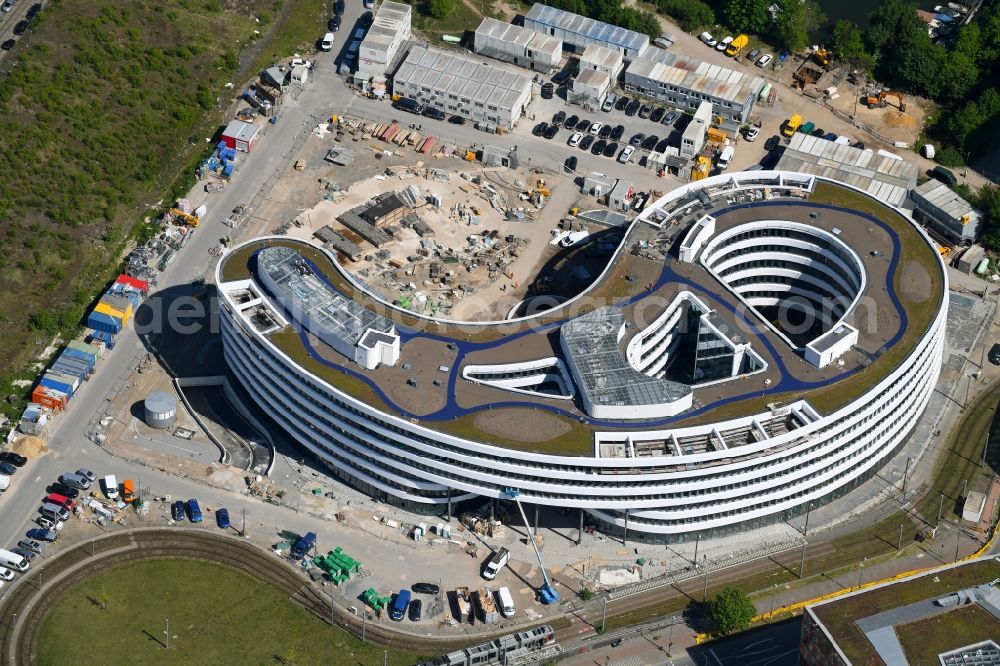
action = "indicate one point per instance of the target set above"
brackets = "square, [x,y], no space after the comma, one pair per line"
[546,594]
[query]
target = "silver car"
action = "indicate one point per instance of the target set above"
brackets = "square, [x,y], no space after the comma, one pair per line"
[87,474]
[29,544]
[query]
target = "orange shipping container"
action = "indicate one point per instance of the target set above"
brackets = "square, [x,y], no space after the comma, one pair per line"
[128,493]
[46,397]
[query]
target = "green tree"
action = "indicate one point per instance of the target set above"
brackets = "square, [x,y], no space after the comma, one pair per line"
[795,21]
[848,44]
[959,75]
[439,9]
[749,16]
[691,15]
[731,610]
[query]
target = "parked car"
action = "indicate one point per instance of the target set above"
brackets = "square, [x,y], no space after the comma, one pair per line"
[333,25]
[753,55]
[632,108]
[425,588]
[21,27]
[6,574]
[548,90]
[662,145]
[367,19]
[707,38]
[599,147]
[434,113]
[645,111]
[995,354]
[7,5]
[724,43]
[30,544]
[605,131]
[944,175]
[8,44]
[13,458]
[752,134]
[669,118]
[657,114]
[772,143]
[559,118]
[626,154]
[571,122]
[48,523]
[414,612]
[818,132]
[407,104]
[222,518]
[33,11]
[326,44]
[87,474]
[574,139]
[595,128]
[42,535]
[26,554]
[177,510]
[551,132]
[765,60]
[63,489]
[650,142]
[338,7]
[194,511]
[457,120]
[610,150]
[583,125]
[622,103]
[617,132]
[7,468]
[562,77]
[570,164]
[609,102]
[540,129]
[586,141]
[637,139]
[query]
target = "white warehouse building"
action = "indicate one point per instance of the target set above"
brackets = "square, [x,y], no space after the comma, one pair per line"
[383,45]
[684,82]
[577,32]
[514,44]
[604,60]
[462,86]
[682,411]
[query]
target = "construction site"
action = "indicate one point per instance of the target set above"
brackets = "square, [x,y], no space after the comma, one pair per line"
[466,240]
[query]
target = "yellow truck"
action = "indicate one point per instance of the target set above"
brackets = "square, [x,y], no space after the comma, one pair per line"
[737,45]
[792,124]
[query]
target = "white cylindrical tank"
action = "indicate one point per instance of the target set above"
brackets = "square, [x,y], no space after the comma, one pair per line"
[160,409]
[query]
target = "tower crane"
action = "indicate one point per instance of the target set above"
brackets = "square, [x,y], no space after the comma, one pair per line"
[547,594]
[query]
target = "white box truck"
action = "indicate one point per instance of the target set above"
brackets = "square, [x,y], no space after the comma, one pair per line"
[506,602]
[13,561]
[111,487]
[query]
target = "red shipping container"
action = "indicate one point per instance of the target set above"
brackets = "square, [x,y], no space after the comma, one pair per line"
[135,283]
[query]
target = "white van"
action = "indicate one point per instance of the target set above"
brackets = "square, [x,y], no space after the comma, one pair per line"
[4,482]
[496,562]
[506,602]
[13,561]
[726,157]
[111,487]
[327,43]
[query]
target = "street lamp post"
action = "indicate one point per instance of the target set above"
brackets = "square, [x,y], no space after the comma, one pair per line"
[805,528]
[697,542]
[861,574]
[802,559]
[704,594]
[604,614]
[905,472]
[899,544]
[166,635]
[940,509]
[770,616]
[670,640]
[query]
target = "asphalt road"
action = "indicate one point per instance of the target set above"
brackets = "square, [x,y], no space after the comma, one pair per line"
[773,645]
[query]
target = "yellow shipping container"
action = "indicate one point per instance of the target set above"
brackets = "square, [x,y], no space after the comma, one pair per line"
[104,308]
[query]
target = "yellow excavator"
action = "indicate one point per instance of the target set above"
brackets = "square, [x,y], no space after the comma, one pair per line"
[186,218]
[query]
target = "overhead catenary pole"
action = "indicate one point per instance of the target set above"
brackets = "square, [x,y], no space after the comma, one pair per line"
[940,509]
[604,613]
[697,542]
[905,472]
[805,528]
[899,544]
[802,559]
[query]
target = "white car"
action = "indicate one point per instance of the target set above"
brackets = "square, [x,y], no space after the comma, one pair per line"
[765,60]
[595,128]
[327,43]
[708,39]
[752,133]
[574,140]
[626,154]
[721,46]
[6,574]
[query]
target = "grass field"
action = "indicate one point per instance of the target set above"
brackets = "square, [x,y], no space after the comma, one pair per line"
[217,616]
[106,108]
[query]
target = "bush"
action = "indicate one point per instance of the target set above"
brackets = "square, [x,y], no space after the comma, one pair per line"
[691,15]
[439,9]
[731,610]
[949,156]
[586,594]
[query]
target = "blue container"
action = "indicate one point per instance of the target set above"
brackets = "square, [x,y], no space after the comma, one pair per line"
[100,321]
[220,146]
[84,364]
[64,368]
[89,357]
[228,171]
[49,382]
[102,336]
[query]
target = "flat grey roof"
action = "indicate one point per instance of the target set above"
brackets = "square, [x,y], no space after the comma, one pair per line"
[454,74]
[693,74]
[307,296]
[595,54]
[602,372]
[885,178]
[830,338]
[594,78]
[523,37]
[940,196]
[587,27]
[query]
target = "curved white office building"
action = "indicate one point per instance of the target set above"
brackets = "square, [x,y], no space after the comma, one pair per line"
[778,347]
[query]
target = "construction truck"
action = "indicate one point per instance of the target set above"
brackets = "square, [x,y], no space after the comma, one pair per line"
[702,167]
[184,218]
[792,124]
[878,99]
[737,45]
[822,56]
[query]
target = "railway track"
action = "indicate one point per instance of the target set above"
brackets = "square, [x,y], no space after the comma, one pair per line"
[27,603]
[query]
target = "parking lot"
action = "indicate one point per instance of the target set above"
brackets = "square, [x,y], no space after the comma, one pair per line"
[15,23]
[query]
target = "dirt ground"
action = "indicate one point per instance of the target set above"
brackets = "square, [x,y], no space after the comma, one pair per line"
[458,224]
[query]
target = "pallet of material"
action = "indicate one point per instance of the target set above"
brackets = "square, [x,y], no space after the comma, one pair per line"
[427,145]
[389,132]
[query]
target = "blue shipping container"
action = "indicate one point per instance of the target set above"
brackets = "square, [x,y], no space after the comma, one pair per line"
[82,364]
[228,171]
[104,322]
[57,385]
[90,357]
[102,336]
[221,145]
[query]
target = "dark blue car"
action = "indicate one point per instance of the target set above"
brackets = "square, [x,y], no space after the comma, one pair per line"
[222,518]
[194,511]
